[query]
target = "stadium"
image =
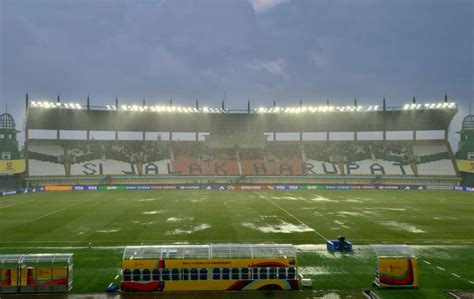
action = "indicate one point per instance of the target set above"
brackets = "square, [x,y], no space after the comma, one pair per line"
[235,187]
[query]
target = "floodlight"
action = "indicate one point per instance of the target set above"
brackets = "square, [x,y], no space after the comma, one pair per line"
[406,107]
[124,107]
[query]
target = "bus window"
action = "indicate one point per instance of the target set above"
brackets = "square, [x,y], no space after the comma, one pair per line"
[291,273]
[216,273]
[165,274]
[281,273]
[235,273]
[203,274]
[156,274]
[225,273]
[263,273]
[127,275]
[194,274]
[146,275]
[136,275]
[255,273]
[184,274]
[272,273]
[174,274]
[245,273]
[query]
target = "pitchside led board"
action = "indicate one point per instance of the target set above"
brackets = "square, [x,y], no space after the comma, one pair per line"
[396,266]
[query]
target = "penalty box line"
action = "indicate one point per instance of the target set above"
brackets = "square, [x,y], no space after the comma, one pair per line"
[293,216]
[51,213]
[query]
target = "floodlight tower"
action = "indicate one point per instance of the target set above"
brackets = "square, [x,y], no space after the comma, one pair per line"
[301,129]
[58,100]
[414,130]
[116,132]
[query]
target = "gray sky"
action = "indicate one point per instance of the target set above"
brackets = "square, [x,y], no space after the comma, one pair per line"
[265,50]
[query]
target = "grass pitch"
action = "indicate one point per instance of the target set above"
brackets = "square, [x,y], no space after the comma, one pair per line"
[438,223]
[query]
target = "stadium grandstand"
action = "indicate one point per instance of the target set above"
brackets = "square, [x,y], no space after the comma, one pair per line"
[239,146]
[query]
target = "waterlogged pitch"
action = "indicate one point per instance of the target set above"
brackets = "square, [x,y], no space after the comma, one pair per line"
[439,225]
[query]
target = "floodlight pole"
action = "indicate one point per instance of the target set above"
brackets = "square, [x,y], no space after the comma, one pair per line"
[27,167]
[171,133]
[26,103]
[327,132]
[116,105]
[384,131]
[274,132]
[88,108]
[57,130]
[301,128]
[143,132]
[355,132]
[197,107]
[414,131]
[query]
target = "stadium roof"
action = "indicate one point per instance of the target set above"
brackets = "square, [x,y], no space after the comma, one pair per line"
[56,116]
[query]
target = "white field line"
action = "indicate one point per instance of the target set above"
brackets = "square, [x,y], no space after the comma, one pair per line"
[455,275]
[51,213]
[426,262]
[60,210]
[291,215]
[116,277]
[471,282]
[16,204]
[442,269]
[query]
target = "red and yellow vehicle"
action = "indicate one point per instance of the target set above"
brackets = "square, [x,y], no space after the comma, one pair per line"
[215,267]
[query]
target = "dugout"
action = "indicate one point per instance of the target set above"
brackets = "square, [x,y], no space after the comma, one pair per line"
[396,266]
[9,266]
[36,273]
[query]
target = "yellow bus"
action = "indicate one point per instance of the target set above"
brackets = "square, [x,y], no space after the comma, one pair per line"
[215,267]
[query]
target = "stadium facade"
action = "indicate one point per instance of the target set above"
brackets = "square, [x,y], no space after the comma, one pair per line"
[240,146]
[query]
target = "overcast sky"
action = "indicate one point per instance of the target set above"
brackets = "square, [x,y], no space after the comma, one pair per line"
[262,50]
